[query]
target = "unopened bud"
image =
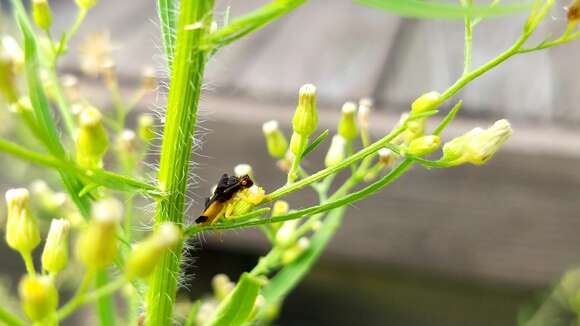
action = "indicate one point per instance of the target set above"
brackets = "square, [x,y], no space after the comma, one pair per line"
[298,144]
[275,139]
[285,235]
[145,255]
[127,142]
[146,124]
[241,170]
[295,251]
[364,111]
[91,139]
[41,14]
[386,157]
[281,207]
[246,200]
[426,102]
[573,13]
[423,145]
[86,4]
[55,253]
[477,146]
[22,232]
[97,244]
[336,151]
[222,286]
[149,81]
[347,125]
[305,118]
[38,296]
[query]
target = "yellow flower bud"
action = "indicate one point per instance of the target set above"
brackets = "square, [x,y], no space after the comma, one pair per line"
[22,232]
[146,128]
[426,102]
[292,253]
[91,139]
[305,118]
[145,255]
[281,207]
[38,296]
[336,151]
[246,200]
[86,4]
[97,244]
[222,286]
[41,14]
[241,170]
[285,236]
[423,145]
[347,125]
[364,110]
[386,157]
[298,144]
[275,139]
[477,146]
[55,254]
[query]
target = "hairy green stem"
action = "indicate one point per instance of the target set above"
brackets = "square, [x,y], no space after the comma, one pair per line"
[185,88]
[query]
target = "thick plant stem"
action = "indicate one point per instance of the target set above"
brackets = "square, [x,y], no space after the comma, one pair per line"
[185,87]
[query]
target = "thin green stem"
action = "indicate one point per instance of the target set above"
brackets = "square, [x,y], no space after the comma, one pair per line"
[27,257]
[467,56]
[62,103]
[75,301]
[10,319]
[185,88]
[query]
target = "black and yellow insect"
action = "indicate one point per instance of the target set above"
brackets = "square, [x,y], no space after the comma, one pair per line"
[227,188]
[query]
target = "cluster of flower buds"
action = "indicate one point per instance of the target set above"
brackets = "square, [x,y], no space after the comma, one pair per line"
[478,145]
[415,127]
[42,14]
[245,200]
[145,255]
[91,140]
[38,296]
[305,120]
[97,244]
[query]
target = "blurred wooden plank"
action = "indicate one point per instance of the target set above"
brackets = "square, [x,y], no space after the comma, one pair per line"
[513,221]
[337,45]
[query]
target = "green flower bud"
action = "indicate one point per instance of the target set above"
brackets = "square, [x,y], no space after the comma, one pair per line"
[426,102]
[7,78]
[477,146]
[298,144]
[285,236]
[281,207]
[146,128]
[275,139]
[42,14]
[222,286]
[386,157]
[336,151]
[424,145]
[241,170]
[91,139]
[364,111]
[86,4]
[22,232]
[38,296]
[146,255]
[347,125]
[97,244]
[55,254]
[246,200]
[306,116]
[295,251]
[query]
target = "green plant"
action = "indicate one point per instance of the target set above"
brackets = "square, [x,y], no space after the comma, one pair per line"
[150,268]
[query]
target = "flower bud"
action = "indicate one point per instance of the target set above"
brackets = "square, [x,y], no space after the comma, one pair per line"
[298,144]
[281,207]
[423,145]
[145,255]
[241,170]
[86,4]
[305,118]
[246,200]
[55,254]
[336,151]
[91,139]
[477,146]
[22,232]
[426,102]
[126,146]
[573,13]
[275,139]
[97,244]
[41,14]
[386,157]
[38,296]
[149,82]
[364,110]
[222,286]
[285,236]
[295,251]
[347,125]
[146,128]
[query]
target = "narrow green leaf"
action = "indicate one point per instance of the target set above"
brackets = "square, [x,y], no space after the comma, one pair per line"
[315,143]
[193,313]
[167,10]
[443,10]
[238,305]
[105,304]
